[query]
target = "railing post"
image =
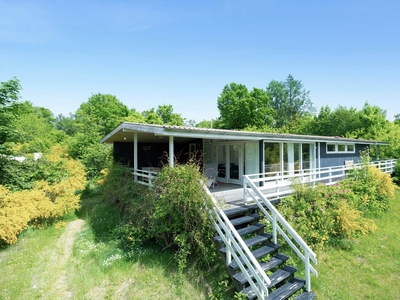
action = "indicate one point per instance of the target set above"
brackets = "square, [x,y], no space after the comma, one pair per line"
[274,235]
[244,190]
[307,271]
[228,253]
[330,174]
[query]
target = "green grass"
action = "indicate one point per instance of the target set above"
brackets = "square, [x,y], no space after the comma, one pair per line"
[97,269]
[370,269]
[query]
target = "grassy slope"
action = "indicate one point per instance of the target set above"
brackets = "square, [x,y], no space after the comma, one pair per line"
[370,269]
[97,269]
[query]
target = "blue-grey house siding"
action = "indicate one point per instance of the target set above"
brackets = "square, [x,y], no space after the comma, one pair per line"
[338,159]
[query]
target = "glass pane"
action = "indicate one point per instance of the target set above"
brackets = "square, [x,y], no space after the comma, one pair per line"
[221,161]
[251,157]
[272,157]
[341,148]
[234,151]
[297,157]
[350,148]
[306,156]
[330,147]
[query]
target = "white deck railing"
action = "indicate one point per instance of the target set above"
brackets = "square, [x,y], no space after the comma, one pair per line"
[145,177]
[276,185]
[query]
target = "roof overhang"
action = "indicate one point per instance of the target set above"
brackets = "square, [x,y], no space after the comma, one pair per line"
[125,132]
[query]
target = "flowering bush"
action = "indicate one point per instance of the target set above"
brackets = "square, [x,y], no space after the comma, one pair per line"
[328,214]
[45,201]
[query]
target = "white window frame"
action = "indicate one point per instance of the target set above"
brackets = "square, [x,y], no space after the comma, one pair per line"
[336,151]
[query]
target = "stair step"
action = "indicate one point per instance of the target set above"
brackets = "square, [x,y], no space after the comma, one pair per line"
[258,253]
[255,240]
[275,261]
[286,290]
[305,296]
[237,211]
[244,231]
[244,220]
[277,277]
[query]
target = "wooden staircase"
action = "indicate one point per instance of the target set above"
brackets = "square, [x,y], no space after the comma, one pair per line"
[283,284]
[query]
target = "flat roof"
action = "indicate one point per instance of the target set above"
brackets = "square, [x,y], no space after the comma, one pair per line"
[124,132]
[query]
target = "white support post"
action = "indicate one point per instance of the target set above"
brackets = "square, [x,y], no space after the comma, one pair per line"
[274,235]
[228,253]
[307,271]
[135,154]
[171,151]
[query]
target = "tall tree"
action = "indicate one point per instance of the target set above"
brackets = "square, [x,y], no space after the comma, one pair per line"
[101,114]
[9,96]
[164,114]
[289,99]
[240,108]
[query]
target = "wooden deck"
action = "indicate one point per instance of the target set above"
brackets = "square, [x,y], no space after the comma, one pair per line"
[232,194]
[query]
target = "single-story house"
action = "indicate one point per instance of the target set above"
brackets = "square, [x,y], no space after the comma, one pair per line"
[235,153]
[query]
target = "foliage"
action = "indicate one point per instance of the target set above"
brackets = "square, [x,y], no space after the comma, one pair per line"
[240,108]
[396,177]
[289,99]
[45,201]
[174,213]
[328,214]
[9,96]
[164,114]
[373,187]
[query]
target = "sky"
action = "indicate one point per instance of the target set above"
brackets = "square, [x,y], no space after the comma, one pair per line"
[151,53]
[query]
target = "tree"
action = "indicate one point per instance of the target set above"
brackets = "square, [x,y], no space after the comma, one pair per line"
[164,114]
[240,108]
[9,96]
[288,99]
[101,114]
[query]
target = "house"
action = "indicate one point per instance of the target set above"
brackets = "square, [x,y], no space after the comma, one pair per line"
[234,153]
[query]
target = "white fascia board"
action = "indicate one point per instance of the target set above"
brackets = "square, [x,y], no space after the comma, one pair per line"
[211,136]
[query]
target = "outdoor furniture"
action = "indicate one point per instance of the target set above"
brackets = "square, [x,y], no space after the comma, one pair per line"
[211,171]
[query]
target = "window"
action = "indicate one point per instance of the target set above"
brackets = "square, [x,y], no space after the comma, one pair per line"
[339,148]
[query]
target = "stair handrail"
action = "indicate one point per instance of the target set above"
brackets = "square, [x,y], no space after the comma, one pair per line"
[276,218]
[235,244]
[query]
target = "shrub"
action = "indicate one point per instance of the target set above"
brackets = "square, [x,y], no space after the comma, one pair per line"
[173,214]
[44,202]
[373,188]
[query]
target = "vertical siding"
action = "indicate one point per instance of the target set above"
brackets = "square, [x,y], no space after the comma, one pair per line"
[338,159]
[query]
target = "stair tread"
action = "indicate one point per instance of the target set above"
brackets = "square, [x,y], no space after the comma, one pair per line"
[244,219]
[236,211]
[245,230]
[286,290]
[254,240]
[305,296]
[277,277]
[258,253]
[266,266]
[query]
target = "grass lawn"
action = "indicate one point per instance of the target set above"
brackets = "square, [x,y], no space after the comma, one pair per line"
[370,269]
[82,261]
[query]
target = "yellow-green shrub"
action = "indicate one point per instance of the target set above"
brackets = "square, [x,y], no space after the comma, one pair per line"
[46,201]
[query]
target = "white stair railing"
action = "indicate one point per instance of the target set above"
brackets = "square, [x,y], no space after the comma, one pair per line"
[238,250]
[282,227]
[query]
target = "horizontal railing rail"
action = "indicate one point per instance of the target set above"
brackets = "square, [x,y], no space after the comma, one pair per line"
[237,249]
[144,177]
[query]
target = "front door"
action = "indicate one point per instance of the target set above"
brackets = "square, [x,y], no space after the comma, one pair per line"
[230,162]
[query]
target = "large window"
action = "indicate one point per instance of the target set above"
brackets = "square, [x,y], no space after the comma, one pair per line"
[339,148]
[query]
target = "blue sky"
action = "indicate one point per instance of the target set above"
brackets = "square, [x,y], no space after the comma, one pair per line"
[149,53]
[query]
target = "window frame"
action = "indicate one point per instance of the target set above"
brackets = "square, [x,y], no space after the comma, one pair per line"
[336,146]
